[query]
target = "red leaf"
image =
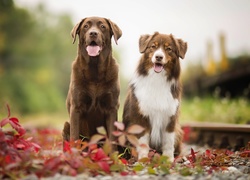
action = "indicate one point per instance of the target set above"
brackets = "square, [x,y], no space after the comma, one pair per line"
[192,157]
[104,166]
[4,122]
[66,146]
[99,155]
[36,147]
[2,136]
[228,152]
[92,147]
[20,146]
[8,108]
[52,163]
[21,131]
[208,154]
[119,125]
[124,173]
[15,121]
[124,161]
[8,159]
[117,133]
[14,124]
[187,131]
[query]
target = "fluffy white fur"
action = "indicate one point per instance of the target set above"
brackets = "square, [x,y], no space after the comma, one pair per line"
[168,145]
[153,93]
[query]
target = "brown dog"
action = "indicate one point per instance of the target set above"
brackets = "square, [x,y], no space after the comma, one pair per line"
[94,86]
[154,94]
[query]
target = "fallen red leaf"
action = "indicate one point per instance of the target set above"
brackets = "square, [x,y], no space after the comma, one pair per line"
[99,155]
[104,166]
[124,161]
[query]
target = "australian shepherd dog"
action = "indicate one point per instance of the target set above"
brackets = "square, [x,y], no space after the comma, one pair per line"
[154,95]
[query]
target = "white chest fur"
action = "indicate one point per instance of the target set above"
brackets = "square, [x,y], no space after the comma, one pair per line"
[153,93]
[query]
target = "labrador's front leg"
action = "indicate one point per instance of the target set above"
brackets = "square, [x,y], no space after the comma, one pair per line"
[74,124]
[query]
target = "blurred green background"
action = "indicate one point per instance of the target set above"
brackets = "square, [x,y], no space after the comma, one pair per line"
[35,60]
[35,63]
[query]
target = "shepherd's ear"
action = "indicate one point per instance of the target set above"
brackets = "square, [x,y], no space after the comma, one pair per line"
[116,31]
[75,30]
[144,41]
[181,46]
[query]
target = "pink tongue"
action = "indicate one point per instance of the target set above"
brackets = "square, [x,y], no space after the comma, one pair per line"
[93,50]
[158,67]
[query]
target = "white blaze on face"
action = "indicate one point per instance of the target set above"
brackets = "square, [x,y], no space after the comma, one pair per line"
[159,59]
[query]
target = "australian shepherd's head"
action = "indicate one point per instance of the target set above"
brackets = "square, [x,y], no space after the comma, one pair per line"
[161,52]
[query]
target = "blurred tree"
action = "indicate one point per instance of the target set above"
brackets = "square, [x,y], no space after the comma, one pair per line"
[35,58]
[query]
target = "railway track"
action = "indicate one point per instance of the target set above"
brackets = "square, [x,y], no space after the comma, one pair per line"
[217,135]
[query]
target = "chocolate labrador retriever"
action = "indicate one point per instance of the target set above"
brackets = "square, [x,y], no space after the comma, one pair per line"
[93,94]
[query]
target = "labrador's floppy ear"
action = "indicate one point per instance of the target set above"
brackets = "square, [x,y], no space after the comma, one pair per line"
[116,31]
[75,30]
[181,46]
[144,41]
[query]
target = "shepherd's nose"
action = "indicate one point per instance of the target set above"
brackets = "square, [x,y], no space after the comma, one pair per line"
[158,57]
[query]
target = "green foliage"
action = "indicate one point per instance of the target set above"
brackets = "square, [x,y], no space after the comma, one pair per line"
[214,109]
[35,58]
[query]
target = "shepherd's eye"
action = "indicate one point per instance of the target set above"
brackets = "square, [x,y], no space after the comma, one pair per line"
[169,48]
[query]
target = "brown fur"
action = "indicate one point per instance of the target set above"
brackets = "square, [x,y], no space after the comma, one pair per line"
[93,94]
[148,44]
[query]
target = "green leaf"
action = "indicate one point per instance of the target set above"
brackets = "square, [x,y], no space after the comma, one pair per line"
[117,167]
[101,130]
[185,172]
[107,147]
[144,160]
[138,167]
[96,138]
[151,170]
[164,160]
[165,169]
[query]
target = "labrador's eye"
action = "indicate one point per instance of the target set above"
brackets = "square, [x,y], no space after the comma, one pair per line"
[153,46]
[102,26]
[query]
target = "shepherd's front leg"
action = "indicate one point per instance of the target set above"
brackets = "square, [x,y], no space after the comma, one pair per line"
[168,141]
[143,146]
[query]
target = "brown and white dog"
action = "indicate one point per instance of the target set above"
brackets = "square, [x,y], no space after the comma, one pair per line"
[94,89]
[154,94]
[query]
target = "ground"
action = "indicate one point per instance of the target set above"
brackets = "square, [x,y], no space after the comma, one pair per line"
[35,153]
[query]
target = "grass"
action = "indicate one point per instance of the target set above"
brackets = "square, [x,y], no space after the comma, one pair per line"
[206,109]
[212,109]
